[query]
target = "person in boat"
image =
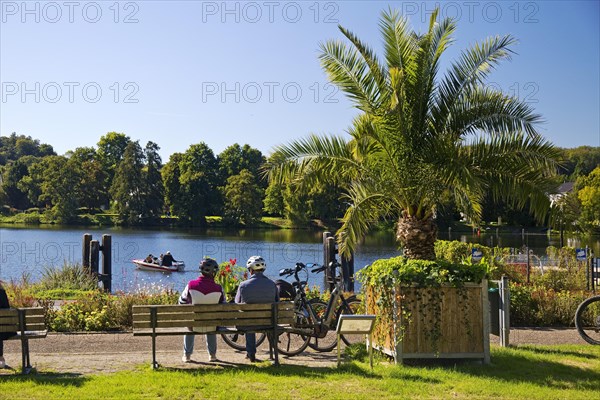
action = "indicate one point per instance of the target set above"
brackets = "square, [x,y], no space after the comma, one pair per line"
[257,289]
[149,259]
[167,260]
[203,290]
[3,335]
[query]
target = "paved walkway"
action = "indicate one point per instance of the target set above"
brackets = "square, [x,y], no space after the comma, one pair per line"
[93,353]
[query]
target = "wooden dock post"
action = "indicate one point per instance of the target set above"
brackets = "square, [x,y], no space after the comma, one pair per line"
[106,276]
[94,257]
[348,272]
[85,252]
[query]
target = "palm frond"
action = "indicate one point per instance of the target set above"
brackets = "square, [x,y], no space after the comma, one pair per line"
[470,70]
[398,42]
[365,207]
[346,68]
[377,73]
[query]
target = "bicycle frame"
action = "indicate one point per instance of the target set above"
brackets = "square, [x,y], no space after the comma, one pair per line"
[319,326]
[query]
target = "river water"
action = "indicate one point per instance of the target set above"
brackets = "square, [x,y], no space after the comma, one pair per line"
[28,251]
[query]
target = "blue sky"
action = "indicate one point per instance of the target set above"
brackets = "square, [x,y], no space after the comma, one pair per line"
[182,72]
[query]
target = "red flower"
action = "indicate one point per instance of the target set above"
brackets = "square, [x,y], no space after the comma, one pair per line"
[232,261]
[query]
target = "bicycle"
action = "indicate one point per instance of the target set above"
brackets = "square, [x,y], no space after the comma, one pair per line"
[587,320]
[315,320]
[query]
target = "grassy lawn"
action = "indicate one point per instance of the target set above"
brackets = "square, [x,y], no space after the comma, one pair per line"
[527,372]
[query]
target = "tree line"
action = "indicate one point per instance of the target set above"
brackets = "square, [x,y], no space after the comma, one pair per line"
[120,176]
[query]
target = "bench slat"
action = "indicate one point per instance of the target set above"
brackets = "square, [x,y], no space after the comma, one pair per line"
[33,311]
[205,315]
[180,331]
[35,327]
[206,307]
[165,323]
[215,322]
[8,312]
[9,320]
[35,319]
[9,328]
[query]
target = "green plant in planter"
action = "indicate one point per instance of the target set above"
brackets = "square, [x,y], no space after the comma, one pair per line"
[423,279]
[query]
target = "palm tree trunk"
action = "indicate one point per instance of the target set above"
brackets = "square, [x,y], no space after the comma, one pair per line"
[417,236]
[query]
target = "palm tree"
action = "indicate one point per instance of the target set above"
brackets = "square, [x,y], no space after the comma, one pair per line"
[419,136]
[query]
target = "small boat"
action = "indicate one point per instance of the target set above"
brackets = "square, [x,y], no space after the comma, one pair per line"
[178,266]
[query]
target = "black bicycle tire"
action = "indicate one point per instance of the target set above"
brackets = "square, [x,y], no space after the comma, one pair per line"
[287,351]
[315,343]
[342,310]
[231,340]
[579,322]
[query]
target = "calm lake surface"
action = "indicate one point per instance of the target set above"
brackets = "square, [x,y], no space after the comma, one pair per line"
[26,250]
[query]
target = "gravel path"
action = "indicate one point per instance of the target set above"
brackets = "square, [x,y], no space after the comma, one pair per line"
[93,353]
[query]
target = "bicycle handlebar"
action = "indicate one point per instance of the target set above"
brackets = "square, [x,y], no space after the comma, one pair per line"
[318,269]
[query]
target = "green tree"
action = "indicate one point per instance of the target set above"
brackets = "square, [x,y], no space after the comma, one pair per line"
[12,174]
[273,202]
[111,150]
[580,161]
[190,181]
[91,189]
[65,190]
[54,182]
[155,190]
[235,158]
[295,201]
[174,197]
[420,134]
[15,146]
[588,194]
[128,187]
[243,199]
[37,183]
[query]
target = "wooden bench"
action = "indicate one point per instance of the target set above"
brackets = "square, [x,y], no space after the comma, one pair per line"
[29,323]
[221,319]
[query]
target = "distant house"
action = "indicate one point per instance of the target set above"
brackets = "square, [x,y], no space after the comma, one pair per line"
[562,191]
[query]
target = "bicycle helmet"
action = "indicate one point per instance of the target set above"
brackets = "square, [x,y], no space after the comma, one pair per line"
[208,266]
[256,263]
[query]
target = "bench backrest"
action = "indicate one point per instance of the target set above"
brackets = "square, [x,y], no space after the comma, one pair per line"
[201,315]
[22,319]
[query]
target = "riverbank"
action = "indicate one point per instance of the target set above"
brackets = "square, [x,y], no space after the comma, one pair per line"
[35,218]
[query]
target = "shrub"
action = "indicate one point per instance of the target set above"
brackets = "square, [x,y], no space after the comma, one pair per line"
[532,305]
[423,273]
[99,311]
[70,276]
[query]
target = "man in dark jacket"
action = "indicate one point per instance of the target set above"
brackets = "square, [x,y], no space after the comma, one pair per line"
[167,260]
[257,289]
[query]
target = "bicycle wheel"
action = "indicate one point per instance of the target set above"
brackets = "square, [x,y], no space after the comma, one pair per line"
[238,340]
[291,344]
[354,306]
[328,342]
[587,320]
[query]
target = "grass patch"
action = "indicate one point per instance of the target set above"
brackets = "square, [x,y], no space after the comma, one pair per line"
[532,372]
